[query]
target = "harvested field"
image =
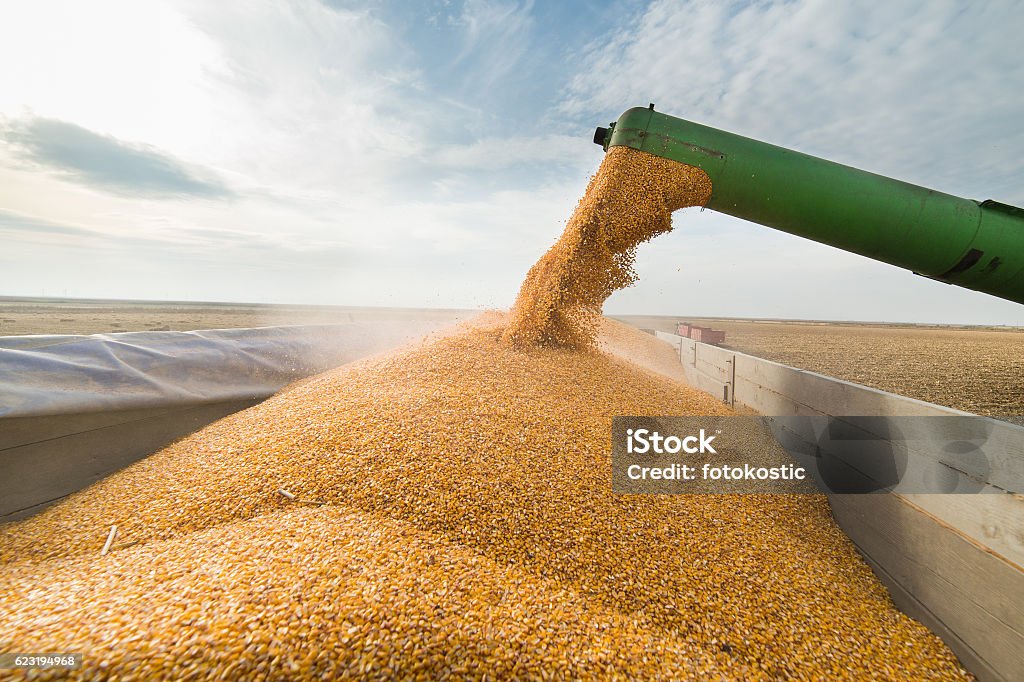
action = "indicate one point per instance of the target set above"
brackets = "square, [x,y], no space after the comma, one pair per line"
[21,316]
[978,370]
[467,529]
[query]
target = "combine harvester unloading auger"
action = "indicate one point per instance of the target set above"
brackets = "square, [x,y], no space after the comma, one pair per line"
[974,244]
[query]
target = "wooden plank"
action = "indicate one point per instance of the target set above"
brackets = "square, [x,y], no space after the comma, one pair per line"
[828,395]
[974,593]
[713,370]
[912,606]
[919,457]
[765,400]
[703,366]
[1000,443]
[708,384]
[688,352]
[16,431]
[995,522]
[673,339]
[714,355]
[38,473]
[949,555]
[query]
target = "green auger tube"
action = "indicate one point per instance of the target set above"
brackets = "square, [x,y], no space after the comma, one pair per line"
[974,244]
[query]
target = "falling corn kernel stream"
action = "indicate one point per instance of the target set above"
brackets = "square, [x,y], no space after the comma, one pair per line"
[629,201]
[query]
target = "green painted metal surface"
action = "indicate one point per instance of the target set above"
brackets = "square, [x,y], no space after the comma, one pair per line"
[977,245]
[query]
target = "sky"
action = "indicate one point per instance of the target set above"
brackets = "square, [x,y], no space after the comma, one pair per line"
[425,154]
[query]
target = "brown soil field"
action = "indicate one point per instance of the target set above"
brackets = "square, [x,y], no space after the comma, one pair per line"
[21,316]
[975,369]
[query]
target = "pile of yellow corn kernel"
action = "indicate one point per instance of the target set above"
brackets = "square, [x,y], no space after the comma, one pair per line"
[452,517]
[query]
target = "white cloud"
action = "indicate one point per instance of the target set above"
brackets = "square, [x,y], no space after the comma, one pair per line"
[134,69]
[494,153]
[312,97]
[925,91]
[496,37]
[104,162]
